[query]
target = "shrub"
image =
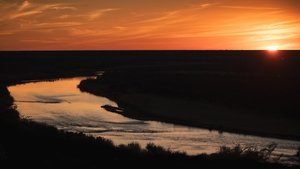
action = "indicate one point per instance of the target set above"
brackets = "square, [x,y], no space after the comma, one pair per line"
[249,153]
[298,154]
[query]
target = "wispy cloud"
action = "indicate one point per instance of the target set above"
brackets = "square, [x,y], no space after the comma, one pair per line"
[37,41]
[205,5]
[164,16]
[103,24]
[51,25]
[64,8]
[121,28]
[6,32]
[28,9]
[23,14]
[24,5]
[247,7]
[98,13]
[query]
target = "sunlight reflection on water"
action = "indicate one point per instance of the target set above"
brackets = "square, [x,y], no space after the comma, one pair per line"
[62,104]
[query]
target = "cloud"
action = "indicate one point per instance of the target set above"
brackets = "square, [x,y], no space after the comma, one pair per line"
[77,24]
[98,13]
[65,16]
[64,8]
[247,7]
[6,33]
[29,9]
[162,17]
[23,14]
[53,25]
[39,41]
[121,28]
[206,5]
[24,5]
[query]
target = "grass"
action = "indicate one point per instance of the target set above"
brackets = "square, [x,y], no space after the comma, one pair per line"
[249,152]
[156,93]
[298,154]
[25,143]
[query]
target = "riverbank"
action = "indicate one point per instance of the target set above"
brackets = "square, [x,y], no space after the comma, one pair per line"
[27,144]
[33,145]
[156,101]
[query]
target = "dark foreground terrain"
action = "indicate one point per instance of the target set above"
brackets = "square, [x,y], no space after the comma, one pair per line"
[253,95]
[28,144]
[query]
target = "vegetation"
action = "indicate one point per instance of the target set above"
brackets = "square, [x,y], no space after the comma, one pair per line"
[255,99]
[249,152]
[27,144]
[298,154]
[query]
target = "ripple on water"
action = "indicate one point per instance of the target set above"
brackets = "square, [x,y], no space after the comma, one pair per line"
[73,110]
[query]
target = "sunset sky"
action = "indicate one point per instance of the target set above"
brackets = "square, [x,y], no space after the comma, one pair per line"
[149,24]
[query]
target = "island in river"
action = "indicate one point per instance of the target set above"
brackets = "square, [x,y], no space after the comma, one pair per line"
[28,144]
[243,96]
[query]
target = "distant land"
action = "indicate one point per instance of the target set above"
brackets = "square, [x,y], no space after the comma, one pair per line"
[247,92]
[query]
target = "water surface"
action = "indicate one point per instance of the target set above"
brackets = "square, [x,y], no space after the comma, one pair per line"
[60,103]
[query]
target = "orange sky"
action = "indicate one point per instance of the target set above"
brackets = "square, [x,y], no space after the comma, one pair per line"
[149,24]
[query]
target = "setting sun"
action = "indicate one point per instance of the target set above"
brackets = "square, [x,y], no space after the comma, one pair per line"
[152,83]
[272,48]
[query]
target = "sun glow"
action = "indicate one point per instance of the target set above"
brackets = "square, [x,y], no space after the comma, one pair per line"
[272,48]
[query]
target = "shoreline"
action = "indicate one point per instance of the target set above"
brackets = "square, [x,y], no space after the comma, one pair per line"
[29,144]
[126,154]
[132,110]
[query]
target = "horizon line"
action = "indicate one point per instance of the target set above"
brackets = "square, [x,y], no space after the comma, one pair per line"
[137,50]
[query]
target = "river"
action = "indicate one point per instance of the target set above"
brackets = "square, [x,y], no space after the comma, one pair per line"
[61,104]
